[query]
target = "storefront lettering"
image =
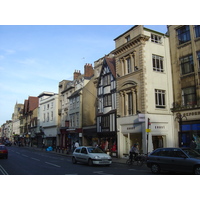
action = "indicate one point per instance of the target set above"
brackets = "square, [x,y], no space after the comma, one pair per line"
[159,127]
[130,128]
[191,113]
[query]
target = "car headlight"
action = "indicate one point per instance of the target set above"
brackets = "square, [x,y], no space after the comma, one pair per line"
[97,157]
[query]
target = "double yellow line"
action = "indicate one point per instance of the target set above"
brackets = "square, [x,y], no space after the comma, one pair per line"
[3,171]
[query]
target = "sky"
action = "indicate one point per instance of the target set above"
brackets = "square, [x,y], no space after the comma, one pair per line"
[35,58]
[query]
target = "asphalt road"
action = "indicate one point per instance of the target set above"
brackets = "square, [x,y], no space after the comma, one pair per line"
[28,161]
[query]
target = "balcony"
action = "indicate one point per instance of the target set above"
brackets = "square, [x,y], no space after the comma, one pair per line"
[181,107]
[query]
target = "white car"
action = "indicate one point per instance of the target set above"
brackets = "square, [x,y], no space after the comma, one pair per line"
[91,156]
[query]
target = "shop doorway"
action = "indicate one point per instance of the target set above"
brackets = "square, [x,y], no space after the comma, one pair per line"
[157,142]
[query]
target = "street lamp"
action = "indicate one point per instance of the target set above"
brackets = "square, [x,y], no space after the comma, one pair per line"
[180,117]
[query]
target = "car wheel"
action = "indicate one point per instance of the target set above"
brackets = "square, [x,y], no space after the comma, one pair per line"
[74,160]
[90,162]
[197,170]
[155,168]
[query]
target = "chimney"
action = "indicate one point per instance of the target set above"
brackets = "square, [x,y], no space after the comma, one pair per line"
[88,70]
[77,73]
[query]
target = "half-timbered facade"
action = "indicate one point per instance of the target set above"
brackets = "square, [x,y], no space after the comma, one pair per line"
[106,112]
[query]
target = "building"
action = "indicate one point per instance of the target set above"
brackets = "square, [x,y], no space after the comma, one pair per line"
[18,110]
[26,118]
[71,107]
[48,119]
[144,90]
[106,112]
[185,60]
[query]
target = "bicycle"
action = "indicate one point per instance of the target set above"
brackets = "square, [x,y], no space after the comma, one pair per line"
[139,160]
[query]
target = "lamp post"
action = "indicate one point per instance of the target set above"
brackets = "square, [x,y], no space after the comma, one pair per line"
[180,117]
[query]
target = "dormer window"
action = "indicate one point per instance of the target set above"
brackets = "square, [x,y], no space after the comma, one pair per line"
[128,38]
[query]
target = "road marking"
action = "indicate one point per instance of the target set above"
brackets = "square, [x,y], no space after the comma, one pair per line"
[52,164]
[24,155]
[101,173]
[3,171]
[17,152]
[35,159]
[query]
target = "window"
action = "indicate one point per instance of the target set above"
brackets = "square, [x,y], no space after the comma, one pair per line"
[160,98]
[105,121]
[198,58]
[156,39]
[130,103]
[128,38]
[47,106]
[197,30]
[189,96]
[187,65]
[106,80]
[47,117]
[183,34]
[44,118]
[157,63]
[51,115]
[128,63]
[107,100]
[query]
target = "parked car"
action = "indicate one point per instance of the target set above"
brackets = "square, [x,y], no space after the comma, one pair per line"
[3,151]
[174,159]
[91,155]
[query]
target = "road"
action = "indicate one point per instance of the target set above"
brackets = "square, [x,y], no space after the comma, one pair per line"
[29,161]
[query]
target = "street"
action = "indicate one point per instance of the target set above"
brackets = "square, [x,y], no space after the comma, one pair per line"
[30,161]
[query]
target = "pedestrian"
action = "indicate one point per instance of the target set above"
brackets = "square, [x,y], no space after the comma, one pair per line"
[76,144]
[193,144]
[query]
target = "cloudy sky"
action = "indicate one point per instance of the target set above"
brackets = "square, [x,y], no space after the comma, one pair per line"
[35,58]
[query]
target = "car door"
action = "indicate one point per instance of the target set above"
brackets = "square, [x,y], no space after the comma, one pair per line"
[84,155]
[179,161]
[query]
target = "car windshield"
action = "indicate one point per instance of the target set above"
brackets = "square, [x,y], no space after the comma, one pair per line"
[94,150]
[191,153]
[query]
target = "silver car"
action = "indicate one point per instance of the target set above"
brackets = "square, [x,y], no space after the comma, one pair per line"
[174,159]
[91,156]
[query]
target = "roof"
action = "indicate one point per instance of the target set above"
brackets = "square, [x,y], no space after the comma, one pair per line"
[111,64]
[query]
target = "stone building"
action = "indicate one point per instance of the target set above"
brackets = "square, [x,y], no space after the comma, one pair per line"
[185,60]
[144,90]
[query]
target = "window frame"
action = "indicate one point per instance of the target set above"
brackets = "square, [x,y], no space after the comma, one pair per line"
[160,98]
[158,63]
[190,96]
[107,100]
[156,38]
[187,64]
[183,34]
[197,30]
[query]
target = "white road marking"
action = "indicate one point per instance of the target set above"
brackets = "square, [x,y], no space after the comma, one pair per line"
[101,173]
[24,155]
[3,171]
[52,164]
[35,159]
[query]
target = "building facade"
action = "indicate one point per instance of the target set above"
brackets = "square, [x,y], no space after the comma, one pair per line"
[185,61]
[48,119]
[106,112]
[144,90]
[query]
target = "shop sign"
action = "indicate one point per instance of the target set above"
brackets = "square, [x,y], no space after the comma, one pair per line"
[141,117]
[187,114]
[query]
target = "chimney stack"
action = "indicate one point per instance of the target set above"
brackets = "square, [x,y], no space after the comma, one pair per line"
[77,73]
[88,70]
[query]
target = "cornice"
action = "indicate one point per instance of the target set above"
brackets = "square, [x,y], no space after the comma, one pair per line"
[131,44]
